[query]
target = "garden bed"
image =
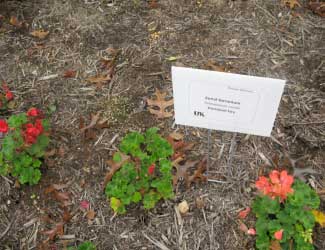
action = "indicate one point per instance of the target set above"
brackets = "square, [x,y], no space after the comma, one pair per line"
[134,44]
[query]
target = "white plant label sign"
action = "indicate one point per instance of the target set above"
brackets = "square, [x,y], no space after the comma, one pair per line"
[225,101]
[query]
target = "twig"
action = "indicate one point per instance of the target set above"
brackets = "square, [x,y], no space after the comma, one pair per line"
[7,229]
[156,243]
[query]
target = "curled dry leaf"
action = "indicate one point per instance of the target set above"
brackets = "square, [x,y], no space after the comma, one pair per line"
[159,105]
[41,34]
[183,207]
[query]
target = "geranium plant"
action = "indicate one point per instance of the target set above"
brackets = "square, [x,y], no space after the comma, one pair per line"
[25,138]
[284,210]
[6,96]
[144,171]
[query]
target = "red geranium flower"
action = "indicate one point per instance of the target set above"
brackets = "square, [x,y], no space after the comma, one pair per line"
[3,126]
[33,112]
[9,95]
[32,131]
[277,185]
[278,234]
[151,169]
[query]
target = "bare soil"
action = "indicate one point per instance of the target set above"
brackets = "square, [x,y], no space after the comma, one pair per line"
[253,37]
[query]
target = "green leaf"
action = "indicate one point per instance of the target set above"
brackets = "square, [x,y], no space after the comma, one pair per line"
[117,206]
[136,197]
[87,245]
[16,121]
[117,157]
[264,205]
[29,175]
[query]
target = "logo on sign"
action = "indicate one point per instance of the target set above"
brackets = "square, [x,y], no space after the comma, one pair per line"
[198,113]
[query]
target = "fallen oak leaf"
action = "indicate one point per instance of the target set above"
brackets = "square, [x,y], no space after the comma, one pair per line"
[115,166]
[93,122]
[58,230]
[161,103]
[275,245]
[99,79]
[182,171]
[198,175]
[41,34]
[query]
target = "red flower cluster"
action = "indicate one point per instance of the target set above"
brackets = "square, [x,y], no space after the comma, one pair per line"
[151,169]
[34,128]
[33,112]
[277,185]
[3,126]
[32,131]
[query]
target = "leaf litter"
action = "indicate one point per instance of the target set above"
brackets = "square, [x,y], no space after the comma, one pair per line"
[158,105]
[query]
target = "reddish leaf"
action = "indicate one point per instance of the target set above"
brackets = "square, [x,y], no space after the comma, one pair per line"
[70,73]
[85,205]
[243,214]
[243,227]
[58,230]
[161,104]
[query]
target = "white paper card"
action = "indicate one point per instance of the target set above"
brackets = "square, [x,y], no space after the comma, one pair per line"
[225,101]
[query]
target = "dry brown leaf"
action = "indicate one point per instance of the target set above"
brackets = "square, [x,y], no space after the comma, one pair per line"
[67,216]
[182,171]
[14,21]
[317,7]
[70,73]
[114,167]
[180,147]
[291,3]
[58,230]
[93,122]
[176,136]
[153,4]
[213,66]
[161,103]
[198,175]
[275,245]
[50,153]
[200,203]
[62,197]
[101,80]
[41,34]
[91,214]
